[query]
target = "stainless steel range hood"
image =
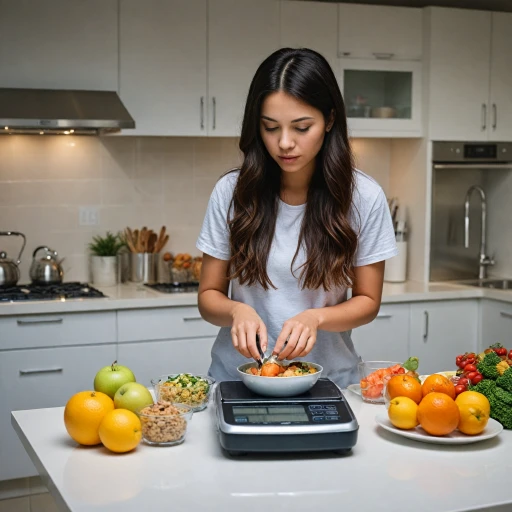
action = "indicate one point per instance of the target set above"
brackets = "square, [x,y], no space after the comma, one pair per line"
[58,111]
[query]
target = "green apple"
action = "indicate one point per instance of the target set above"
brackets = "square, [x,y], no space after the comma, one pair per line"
[110,378]
[132,396]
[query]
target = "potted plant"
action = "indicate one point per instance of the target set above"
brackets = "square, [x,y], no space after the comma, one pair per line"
[104,251]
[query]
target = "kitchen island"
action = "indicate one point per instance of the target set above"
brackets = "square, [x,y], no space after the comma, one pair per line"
[384,472]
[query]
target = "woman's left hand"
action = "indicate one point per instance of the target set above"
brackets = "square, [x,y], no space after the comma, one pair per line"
[300,331]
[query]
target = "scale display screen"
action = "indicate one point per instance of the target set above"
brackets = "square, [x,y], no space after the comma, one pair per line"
[270,414]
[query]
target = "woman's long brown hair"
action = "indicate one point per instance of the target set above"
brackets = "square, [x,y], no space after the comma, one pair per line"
[326,234]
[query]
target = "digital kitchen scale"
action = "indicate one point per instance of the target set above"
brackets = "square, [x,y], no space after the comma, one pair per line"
[317,420]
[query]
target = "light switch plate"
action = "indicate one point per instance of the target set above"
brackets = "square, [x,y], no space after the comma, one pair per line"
[88,216]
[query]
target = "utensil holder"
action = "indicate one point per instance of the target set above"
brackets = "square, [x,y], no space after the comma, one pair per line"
[144,267]
[123,266]
[395,270]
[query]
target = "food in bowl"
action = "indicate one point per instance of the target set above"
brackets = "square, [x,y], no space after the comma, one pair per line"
[184,388]
[293,369]
[164,423]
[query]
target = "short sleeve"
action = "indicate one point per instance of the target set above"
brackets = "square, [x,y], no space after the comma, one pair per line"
[214,236]
[377,236]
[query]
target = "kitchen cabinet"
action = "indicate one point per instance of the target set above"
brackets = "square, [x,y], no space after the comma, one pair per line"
[441,330]
[151,359]
[162,66]
[470,74]
[39,378]
[379,32]
[241,34]
[496,324]
[59,44]
[311,25]
[387,337]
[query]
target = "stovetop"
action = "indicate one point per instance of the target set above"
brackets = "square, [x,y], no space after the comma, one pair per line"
[174,287]
[28,292]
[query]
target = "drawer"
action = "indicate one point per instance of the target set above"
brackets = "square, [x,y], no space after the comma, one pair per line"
[40,378]
[162,324]
[37,331]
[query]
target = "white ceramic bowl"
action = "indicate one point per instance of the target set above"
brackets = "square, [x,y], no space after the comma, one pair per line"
[278,386]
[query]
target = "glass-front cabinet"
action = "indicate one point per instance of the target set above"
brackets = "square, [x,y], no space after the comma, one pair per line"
[382,97]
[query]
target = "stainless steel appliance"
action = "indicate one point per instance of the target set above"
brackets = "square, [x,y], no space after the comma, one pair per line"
[32,292]
[174,287]
[318,420]
[9,271]
[458,234]
[46,269]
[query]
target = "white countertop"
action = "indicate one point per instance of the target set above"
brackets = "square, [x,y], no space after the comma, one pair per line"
[197,475]
[132,296]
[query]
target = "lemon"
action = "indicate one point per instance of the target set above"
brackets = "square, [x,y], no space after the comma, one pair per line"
[402,412]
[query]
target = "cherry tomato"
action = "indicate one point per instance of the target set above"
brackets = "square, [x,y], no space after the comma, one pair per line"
[458,359]
[510,355]
[470,368]
[459,389]
[477,378]
[471,375]
[463,381]
[501,351]
[470,360]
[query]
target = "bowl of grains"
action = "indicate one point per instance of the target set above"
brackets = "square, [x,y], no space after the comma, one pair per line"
[164,424]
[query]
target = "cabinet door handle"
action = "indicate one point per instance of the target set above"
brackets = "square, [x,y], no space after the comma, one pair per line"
[425,330]
[40,370]
[484,116]
[192,318]
[383,55]
[214,121]
[202,112]
[504,314]
[384,315]
[39,322]
[494,116]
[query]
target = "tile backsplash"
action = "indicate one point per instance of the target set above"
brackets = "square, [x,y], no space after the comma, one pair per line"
[130,181]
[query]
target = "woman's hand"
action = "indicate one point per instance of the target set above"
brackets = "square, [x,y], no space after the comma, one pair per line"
[246,324]
[300,331]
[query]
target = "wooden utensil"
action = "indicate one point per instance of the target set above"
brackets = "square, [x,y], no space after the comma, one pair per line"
[129,239]
[161,236]
[152,241]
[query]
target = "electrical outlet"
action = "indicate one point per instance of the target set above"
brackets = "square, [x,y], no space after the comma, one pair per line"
[88,216]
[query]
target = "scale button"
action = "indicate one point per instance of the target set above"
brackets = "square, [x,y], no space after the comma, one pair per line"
[330,407]
[332,418]
[318,418]
[317,413]
[241,419]
[331,413]
[313,407]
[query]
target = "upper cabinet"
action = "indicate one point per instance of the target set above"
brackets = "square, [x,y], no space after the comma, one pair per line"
[311,25]
[59,44]
[163,67]
[241,34]
[470,74]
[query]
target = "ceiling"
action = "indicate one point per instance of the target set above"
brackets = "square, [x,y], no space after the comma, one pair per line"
[487,5]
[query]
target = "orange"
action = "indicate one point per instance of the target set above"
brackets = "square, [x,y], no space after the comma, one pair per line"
[439,384]
[120,430]
[473,419]
[474,398]
[83,414]
[438,414]
[404,385]
[402,412]
[270,370]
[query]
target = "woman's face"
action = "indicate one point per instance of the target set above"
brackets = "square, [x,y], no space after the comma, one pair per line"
[292,131]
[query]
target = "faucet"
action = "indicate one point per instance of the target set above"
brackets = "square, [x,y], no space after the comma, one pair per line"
[484,260]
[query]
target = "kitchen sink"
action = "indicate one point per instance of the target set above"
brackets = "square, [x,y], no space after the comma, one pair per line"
[498,284]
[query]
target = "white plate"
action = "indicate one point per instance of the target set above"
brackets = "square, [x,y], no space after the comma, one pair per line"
[447,374]
[355,388]
[492,429]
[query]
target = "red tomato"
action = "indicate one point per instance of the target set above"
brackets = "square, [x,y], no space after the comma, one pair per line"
[469,368]
[464,381]
[459,389]
[471,375]
[501,351]
[470,360]
[477,378]
[510,355]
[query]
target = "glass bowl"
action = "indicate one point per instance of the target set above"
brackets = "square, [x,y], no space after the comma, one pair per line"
[184,388]
[165,424]
[372,382]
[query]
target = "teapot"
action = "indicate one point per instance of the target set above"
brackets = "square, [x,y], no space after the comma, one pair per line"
[46,270]
[9,271]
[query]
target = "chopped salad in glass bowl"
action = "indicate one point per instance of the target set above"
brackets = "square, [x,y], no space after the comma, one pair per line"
[184,388]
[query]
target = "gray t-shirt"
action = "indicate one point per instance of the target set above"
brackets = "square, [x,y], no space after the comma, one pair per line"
[335,351]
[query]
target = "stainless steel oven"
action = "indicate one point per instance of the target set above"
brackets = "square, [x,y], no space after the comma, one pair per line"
[464,176]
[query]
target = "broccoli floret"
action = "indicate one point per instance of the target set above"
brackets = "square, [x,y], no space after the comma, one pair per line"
[486,387]
[501,412]
[491,359]
[488,371]
[502,396]
[505,380]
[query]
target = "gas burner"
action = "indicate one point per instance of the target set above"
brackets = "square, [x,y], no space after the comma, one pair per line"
[27,292]
[174,287]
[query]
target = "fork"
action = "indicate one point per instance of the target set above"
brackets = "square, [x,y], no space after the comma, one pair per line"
[263,359]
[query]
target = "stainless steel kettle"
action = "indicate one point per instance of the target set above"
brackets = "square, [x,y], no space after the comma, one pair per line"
[48,269]
[9,271]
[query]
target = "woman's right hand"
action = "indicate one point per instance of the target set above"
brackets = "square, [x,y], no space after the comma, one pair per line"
[246,324]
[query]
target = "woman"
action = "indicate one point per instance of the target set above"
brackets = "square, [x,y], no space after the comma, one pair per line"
[293,228]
